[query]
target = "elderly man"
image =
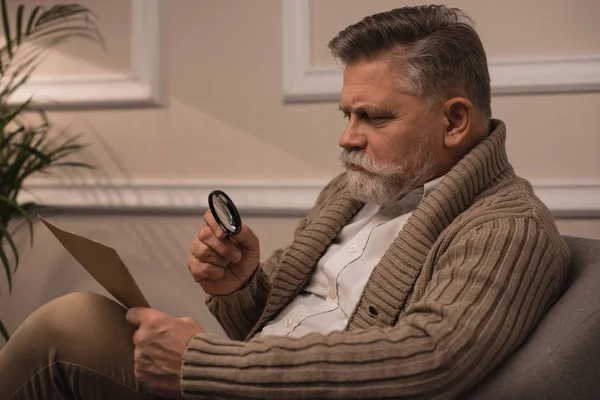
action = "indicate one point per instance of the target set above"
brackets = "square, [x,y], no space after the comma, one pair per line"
[416,273]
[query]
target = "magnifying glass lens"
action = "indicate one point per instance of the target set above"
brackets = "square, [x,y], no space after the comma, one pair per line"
[225,212]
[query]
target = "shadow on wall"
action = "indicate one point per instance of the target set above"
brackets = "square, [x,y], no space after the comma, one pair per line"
[238,78]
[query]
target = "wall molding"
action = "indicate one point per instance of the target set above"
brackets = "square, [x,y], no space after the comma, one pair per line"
[140,88]
[304,82]
[564,199]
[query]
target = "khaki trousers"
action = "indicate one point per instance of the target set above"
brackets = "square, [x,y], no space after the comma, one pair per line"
[78,346]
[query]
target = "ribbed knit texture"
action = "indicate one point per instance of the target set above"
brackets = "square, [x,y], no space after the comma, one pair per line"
[470,275]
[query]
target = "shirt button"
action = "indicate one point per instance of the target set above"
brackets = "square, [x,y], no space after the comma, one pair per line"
[332,294]
[352,248]
[287,323]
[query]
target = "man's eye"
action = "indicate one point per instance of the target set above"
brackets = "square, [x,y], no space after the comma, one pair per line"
[371,119]
[377,119]
[346,115]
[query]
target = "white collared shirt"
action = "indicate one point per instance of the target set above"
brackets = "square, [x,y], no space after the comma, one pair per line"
[327,301]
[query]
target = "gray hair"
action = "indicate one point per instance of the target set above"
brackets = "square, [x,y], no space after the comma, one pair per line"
[436,49]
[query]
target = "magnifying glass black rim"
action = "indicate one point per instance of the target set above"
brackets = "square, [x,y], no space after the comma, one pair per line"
[237,220]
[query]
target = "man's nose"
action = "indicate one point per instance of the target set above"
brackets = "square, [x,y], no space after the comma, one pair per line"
[352,138]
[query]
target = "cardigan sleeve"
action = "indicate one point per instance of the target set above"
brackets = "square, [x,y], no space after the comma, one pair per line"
[488,291]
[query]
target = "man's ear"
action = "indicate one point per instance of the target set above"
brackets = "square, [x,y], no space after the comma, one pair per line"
[458,114]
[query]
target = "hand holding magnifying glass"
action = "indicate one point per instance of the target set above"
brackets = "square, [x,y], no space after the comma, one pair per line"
[212,261]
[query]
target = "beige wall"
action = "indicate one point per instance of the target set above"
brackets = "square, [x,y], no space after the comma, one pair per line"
[223,119]
[508,28]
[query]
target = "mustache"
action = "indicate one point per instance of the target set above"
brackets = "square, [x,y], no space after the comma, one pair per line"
[368,163]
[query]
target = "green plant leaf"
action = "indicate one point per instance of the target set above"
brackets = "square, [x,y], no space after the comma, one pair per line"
[21,74]
[6,234]
[32,150]
[37,144]
[77,18]
[62,11]
[20,158]
[6,266]
[71,164]
[6,139]
[4,332]
[32,17]
[69,31]
[5,120]
[63,151]
[19,31]
[6,26]
[17,222]
[21,211]
[67,147]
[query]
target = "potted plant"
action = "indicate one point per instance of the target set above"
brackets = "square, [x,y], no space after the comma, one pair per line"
[28,144]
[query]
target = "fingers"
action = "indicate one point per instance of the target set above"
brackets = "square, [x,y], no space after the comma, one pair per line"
[133,316]
[211,255]
[137,315]
[204,253]
[209,248]
[210,220]
[202,270]
[246,239]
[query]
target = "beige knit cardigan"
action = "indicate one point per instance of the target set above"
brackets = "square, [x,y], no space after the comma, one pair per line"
[470,275]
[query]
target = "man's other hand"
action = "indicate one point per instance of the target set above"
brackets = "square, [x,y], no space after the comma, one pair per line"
[219,265]
[160,343]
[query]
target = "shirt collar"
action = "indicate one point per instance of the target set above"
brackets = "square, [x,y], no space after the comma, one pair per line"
[411,200]
[431,185]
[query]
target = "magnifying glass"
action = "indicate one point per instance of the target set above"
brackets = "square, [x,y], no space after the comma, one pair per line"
[225,213]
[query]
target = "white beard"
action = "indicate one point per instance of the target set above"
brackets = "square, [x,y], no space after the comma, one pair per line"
[379,184]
